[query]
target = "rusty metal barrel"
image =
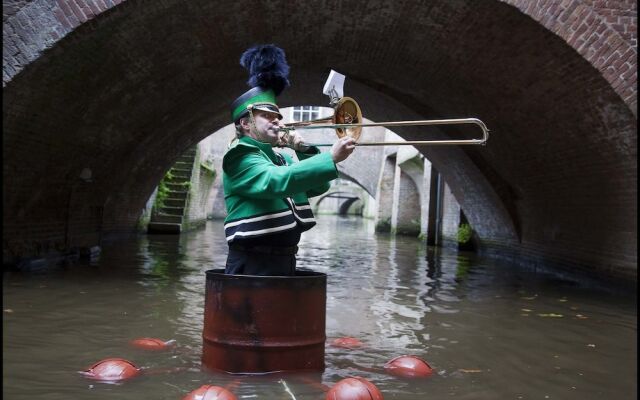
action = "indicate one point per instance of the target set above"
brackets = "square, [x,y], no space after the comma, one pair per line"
[261,324]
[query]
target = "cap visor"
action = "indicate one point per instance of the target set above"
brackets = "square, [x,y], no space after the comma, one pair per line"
[268,108]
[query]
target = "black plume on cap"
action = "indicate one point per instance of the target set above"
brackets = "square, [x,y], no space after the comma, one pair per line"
[267,67]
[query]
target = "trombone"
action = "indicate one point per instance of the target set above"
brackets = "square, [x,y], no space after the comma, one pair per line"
[347,121]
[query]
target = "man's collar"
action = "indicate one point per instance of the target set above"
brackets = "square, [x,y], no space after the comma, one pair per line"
[266,147]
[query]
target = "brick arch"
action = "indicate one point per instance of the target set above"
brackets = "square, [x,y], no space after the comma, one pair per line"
[604,33]
[342,209]
[126,92]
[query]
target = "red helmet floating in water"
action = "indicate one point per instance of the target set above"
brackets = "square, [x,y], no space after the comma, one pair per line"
[409,367]
[210,392]
[355,388]
[152,344]
[346,342]
[112,370]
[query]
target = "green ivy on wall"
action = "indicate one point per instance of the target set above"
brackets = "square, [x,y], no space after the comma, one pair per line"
[464,233]
[163,191]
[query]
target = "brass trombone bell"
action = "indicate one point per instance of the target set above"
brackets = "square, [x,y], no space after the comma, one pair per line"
[347,121]
[346,112]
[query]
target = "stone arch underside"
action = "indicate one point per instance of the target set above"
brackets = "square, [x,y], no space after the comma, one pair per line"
[128,91]
[348,198]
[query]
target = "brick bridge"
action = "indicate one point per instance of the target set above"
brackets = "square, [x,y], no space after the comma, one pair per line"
[101,96]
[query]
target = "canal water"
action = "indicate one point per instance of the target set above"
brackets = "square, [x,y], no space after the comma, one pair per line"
[490,330]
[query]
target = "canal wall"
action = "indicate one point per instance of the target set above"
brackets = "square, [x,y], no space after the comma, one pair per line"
[450,217]
[216,145]
[203,177]
[194,174]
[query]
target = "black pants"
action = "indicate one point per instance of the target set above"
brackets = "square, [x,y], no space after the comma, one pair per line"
[241,262]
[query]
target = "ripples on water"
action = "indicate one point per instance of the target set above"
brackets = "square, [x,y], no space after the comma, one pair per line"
[490,330]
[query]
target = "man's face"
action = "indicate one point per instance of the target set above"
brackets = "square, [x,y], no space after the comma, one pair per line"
[267,128]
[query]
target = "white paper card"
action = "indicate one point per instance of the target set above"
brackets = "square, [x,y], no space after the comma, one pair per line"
[334,86]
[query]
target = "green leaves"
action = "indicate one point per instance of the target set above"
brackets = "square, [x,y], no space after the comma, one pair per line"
[464,233]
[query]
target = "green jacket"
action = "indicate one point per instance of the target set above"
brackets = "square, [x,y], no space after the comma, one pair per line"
[267,192]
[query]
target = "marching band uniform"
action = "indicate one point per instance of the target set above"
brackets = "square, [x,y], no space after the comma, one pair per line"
[267,195]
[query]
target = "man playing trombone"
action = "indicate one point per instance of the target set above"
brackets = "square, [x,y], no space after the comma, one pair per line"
[267,193]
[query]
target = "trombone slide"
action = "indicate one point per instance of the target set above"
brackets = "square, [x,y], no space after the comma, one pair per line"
[457,121]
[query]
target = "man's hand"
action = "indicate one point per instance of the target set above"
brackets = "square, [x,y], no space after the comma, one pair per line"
[342,149]
[293,140]
[282,139]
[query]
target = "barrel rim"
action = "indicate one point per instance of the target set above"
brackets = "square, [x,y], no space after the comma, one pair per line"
[301,273]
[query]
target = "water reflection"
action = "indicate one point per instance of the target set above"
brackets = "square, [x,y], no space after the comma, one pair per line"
[490,330]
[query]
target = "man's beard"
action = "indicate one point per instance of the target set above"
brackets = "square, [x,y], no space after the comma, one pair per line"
[265,136]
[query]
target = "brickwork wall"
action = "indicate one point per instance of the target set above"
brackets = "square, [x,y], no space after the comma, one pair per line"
[207,148]
[363,165]
[123,88]
[450,217]
[604,32]
[412,201]
[427,202]
[202,181]
[216,145]
[405,218]
[31,27]
[599,30]
[385,194]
